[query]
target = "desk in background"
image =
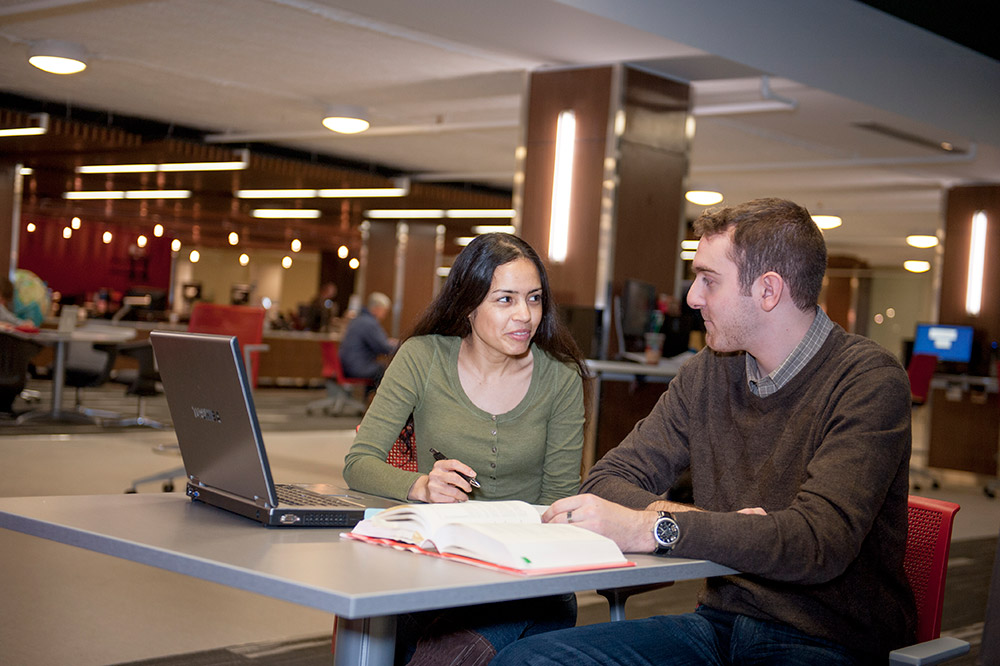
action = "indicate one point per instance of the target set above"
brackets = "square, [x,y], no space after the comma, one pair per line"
[59,341]
[364,585]
[964,424]
[623,393]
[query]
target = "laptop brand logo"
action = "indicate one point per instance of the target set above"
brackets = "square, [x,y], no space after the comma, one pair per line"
[206,414]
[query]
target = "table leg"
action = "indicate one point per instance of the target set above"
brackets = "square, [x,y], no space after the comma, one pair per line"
[369,641]
[58,378]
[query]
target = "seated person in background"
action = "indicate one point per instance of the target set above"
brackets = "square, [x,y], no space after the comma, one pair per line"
[493,380]
[797,435]
[322,309]
[365,340]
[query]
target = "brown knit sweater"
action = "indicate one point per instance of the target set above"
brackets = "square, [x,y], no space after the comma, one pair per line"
[827,457]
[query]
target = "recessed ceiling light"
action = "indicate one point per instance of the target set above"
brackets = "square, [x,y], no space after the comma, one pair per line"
[827,221]
[703,197]
[921,240]
[917,266]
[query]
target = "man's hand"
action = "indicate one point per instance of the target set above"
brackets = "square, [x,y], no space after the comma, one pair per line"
[632,530]
[443,484]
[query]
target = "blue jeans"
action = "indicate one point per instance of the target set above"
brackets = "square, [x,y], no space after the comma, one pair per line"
[705,636]
[498,623]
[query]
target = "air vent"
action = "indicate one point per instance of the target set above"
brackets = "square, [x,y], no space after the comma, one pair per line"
[941,146]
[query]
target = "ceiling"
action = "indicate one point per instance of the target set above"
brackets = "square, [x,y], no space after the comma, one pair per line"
[444,82]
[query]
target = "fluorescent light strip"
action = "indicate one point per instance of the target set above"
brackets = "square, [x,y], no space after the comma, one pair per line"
[479,213]
[562,186]
[405,214]
[977,263]
[286,213]
[158,168]
[436,213]
[493,228]
[275,194]
[101,195]
[343,193]
[41,128]
[167,166]
[23,131]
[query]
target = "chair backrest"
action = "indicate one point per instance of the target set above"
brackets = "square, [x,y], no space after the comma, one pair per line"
[921,371]
[928,541]
[246,323]
[331,359]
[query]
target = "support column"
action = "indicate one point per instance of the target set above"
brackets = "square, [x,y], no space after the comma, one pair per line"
[626,206]
[10,216]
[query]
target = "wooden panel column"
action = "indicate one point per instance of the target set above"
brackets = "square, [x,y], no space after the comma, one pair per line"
[965,421]
[10,217]
[631,156]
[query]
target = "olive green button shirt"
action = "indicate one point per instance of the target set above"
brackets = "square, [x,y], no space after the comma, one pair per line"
[531,453]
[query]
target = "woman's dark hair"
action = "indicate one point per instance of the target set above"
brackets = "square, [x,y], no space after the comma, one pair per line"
[468,284]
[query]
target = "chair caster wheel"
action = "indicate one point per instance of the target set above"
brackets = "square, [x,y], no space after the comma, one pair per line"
[131,491]
[168,487]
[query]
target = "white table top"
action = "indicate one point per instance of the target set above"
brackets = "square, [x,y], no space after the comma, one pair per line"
[311,567]
[667,367]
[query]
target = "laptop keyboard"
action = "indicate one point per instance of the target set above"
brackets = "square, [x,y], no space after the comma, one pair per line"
[296,496]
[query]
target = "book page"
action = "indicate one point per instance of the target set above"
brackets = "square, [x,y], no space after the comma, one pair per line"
[528,546]
[417,523]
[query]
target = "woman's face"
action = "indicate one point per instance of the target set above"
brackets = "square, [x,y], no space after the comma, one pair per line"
[506,320]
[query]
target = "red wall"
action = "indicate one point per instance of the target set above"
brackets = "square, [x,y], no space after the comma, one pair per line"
[84,264]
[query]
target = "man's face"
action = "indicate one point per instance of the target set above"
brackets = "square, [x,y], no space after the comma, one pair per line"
[730,317]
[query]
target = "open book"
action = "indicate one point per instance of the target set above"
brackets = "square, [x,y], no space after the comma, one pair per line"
[505,535]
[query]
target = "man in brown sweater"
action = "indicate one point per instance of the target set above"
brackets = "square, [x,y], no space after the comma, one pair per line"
[797,436]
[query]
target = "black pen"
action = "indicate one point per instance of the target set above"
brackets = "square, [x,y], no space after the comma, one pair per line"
[440,456]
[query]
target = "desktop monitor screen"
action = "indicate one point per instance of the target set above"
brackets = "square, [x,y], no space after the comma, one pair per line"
[951,344]
[638,300]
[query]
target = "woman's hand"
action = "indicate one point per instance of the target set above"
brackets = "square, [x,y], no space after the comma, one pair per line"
[443,484]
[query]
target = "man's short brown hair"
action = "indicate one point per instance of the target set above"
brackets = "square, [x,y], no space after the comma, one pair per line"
[772,235]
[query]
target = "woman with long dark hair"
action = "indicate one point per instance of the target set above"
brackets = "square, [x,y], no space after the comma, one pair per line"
[494,381]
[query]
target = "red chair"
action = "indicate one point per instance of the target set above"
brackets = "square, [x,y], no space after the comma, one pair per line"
[246,323]
[928,541]
[339,387]
[920,371]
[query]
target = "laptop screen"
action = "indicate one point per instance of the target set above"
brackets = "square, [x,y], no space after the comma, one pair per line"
[211,405]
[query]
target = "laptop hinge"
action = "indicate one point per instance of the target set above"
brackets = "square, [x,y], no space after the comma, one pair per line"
[258,501]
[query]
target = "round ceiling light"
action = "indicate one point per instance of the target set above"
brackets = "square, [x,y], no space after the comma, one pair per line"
[703,197]
[917,266]
[921,241]
[57,57]
[346,119]
[827,221]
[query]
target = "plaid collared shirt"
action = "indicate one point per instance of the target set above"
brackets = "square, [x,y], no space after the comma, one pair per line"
[802,354]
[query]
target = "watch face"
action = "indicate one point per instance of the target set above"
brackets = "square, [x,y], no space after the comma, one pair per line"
[666,532]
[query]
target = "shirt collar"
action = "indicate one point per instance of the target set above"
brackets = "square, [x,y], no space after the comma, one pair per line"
[763,386]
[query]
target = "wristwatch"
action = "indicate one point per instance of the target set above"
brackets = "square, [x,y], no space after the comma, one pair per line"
[665,533]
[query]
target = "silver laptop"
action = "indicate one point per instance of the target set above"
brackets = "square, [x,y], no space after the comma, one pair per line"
[219,436]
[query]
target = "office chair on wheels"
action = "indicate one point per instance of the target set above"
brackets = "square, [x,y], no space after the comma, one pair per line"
[338,400]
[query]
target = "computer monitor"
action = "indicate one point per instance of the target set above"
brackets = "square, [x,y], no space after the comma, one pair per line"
[950,343]
[638,300]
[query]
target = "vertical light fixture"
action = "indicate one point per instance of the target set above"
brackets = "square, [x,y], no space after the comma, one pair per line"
[977,262]
[562,186]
